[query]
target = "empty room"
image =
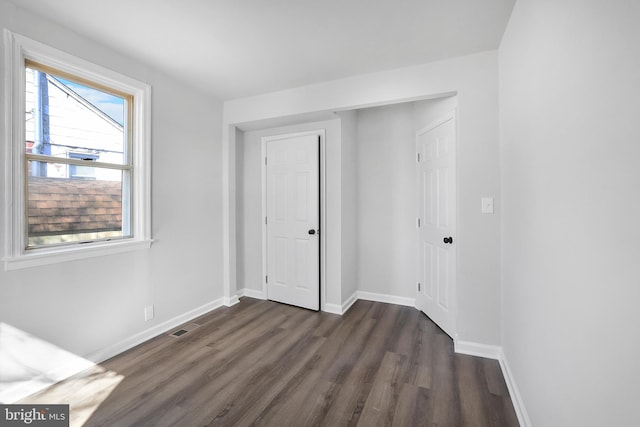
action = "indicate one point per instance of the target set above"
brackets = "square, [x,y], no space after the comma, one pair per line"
[330,213]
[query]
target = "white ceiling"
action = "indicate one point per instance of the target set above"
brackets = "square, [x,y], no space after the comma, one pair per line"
[237,48]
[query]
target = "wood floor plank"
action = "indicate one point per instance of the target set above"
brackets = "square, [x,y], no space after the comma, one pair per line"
[229,370]
[473,410]
[253,395]
[405,410]
[419,370]
[261,363]
[381,404]
[351,398]
[444,399]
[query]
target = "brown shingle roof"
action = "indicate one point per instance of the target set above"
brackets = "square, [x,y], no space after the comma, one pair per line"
[62,206]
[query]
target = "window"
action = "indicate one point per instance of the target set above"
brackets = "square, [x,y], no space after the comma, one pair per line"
[78,163]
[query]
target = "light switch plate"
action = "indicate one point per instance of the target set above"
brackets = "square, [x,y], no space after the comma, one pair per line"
[487,205]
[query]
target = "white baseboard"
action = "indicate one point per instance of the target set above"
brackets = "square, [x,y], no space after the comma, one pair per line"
[251,293]
[368,296]
[389,299]
[229,301]
[349,302]
[477,349]
[332,308]
[516,398]
[329,307]
[124,345]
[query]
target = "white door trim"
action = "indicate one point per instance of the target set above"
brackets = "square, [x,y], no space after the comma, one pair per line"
[323,224]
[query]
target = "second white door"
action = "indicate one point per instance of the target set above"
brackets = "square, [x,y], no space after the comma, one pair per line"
[436,156]
[293,220]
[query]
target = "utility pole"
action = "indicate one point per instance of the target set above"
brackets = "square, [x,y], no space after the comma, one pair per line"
[41,137]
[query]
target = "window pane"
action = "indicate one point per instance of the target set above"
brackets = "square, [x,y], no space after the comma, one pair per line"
[63,210]
[64,118]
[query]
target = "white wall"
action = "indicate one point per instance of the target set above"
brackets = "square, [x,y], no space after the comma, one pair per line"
[475,79]
[249,206]
[86,306]
[428,111]
[570,91]
[349,204]
[386,200]
[248,200]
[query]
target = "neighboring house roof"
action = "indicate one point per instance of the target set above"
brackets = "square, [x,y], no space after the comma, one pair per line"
[61,206]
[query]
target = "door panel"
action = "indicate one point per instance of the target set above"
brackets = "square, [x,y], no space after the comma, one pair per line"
[280,255]
[436,172]
[428,259]
[292,197]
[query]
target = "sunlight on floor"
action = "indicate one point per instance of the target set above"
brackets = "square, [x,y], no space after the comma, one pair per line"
[84,393]
[29,364]
[38,372]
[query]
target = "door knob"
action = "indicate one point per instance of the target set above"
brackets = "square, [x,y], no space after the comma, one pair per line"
[312,231]
[448,240]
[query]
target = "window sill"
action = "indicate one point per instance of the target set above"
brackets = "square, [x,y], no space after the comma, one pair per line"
[54,256]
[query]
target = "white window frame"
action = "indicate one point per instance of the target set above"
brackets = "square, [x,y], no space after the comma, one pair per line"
[18,49]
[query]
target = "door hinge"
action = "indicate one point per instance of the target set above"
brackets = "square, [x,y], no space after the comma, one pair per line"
[418,157]
[266,279]
[265,161]
[417,222]
[265,220]
[418,286]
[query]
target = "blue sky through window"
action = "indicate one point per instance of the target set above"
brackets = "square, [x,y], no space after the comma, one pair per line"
[111,105]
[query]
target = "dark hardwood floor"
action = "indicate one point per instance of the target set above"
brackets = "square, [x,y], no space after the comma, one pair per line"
[264,363]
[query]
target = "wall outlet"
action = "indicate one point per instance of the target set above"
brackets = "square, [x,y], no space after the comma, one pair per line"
[148,313]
